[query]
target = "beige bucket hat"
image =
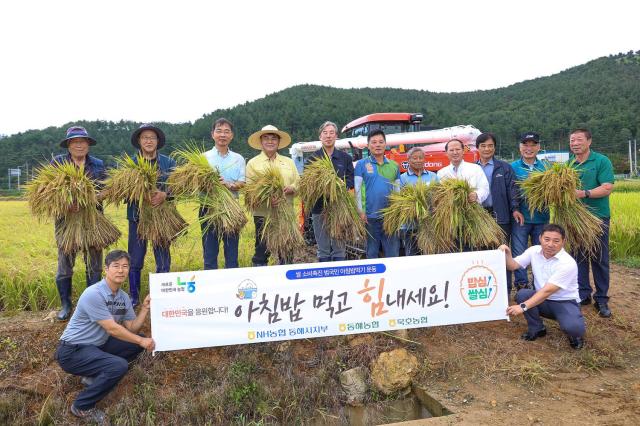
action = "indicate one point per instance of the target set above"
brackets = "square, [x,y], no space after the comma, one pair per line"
[254,139]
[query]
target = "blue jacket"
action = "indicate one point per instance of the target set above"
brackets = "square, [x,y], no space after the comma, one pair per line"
[166,165]
[93,168]
[504,192]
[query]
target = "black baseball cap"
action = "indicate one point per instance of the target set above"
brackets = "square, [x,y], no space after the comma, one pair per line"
[530,136]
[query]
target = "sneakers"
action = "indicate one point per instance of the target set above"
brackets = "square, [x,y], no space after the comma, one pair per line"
[91,415]
[533,336]
[86,380]
[603,309]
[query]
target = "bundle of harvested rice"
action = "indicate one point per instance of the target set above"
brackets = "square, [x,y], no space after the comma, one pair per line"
[411,205]
[280,232]
[555,186]
[459,222]
[265,189]
[194,176]
[84,229]
[134,181]
[56,187]
[195,180]
[340,214]
[554,190]
[64,193]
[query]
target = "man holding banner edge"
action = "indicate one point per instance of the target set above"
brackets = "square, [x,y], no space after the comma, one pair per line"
[556,287]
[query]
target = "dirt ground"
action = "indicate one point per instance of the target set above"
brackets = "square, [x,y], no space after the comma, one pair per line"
[482,372]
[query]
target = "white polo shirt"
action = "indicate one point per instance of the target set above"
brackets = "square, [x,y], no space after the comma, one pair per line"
[470,172]
[560,270]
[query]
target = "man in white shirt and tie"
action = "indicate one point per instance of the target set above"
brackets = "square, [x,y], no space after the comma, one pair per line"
[460,169]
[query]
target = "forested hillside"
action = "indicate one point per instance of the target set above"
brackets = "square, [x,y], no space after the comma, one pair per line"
[603,95]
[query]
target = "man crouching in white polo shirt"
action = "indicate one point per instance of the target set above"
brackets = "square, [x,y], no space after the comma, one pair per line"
[555,276]
[101,337]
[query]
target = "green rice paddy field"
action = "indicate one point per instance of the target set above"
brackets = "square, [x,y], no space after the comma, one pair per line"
[28,253]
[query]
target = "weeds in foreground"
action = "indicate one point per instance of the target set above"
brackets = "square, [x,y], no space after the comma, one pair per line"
[532,373]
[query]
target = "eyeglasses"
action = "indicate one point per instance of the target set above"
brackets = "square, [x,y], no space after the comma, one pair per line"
[222,132]
[149,138]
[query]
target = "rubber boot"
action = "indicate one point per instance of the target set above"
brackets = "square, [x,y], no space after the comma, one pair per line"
[324,259]
[337,258]
[259,264]
[134,287]
[64,290]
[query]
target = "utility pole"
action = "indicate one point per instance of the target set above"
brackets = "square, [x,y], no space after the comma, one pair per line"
[635,157]
[630,160]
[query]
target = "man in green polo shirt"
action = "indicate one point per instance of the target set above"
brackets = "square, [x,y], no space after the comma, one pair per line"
[596,175]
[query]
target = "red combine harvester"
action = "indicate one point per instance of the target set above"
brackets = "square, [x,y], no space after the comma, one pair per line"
[403,131]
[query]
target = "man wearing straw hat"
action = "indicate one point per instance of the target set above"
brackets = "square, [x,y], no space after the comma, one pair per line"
[148,139]
[330,249]
[77,142]
[231,167]
[378,176]
[596,176]
[269,140]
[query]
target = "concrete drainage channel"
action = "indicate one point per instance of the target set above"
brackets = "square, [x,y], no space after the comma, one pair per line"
[415,406]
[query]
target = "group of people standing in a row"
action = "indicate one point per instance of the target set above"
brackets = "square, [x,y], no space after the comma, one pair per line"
[560,281]
[103,334]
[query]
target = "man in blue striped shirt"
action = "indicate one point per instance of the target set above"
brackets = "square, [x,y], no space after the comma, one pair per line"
[231,167]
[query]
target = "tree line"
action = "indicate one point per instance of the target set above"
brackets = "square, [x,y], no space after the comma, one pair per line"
[602,95]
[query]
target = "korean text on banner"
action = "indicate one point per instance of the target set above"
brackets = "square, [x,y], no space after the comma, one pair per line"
[263,304]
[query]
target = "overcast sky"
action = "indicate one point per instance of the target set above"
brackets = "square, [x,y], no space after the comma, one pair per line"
[62,61]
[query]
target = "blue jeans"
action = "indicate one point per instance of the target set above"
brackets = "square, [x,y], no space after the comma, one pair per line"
[599,268]
[566,312]
[137,250]
[376,239]
[107,364]
[520,242]
[328,248]
[211,248]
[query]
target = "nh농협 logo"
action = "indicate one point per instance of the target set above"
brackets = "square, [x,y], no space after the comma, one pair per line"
[191,284]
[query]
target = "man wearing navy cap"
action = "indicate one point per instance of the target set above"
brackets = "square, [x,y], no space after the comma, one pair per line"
[148,139]
[77,142]
[533,222]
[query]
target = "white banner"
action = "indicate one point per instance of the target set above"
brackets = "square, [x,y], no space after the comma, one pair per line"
[264,304]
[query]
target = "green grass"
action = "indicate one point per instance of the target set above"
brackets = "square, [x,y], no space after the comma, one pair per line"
[624,234]
[627,185]
[28,255]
